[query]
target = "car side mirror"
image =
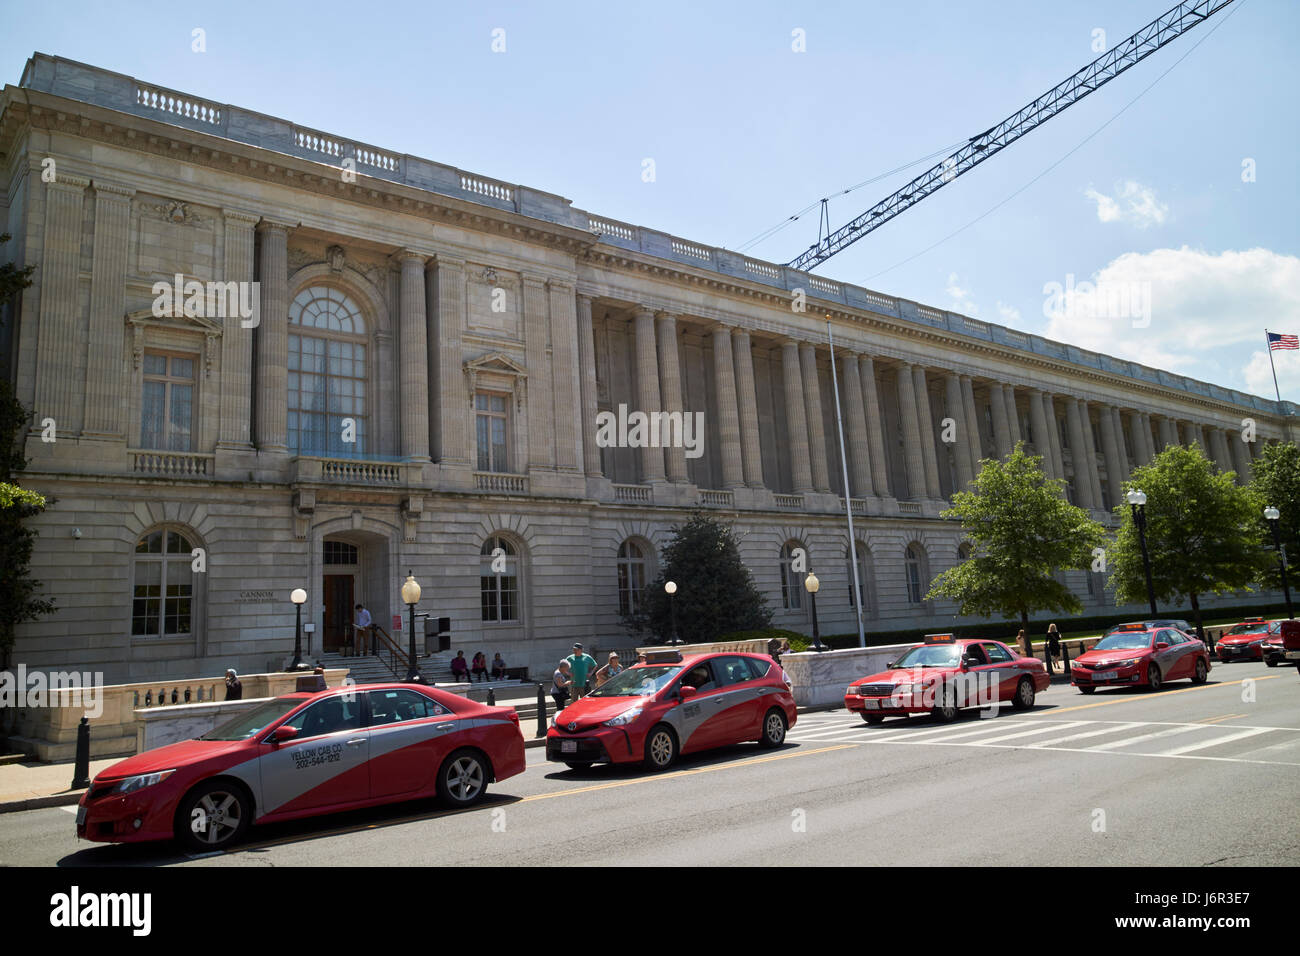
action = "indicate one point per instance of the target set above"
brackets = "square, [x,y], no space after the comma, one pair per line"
[968,662]
[891,665]
[686,693]
[1161,645]
[283,734]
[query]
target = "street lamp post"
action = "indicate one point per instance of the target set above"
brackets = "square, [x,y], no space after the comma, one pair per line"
[299,598]
[670,588]
[812,586]
[411,597]
[1272,515]
[1137,500]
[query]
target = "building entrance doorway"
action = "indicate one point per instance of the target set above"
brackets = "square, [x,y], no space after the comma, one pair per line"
[338,611]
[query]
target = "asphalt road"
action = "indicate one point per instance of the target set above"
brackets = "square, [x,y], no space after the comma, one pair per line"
[1189,776]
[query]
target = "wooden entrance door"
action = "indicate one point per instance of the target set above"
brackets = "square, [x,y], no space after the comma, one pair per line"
[338,611]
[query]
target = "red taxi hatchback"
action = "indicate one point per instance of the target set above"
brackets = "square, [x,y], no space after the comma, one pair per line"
[1137,655]
[674,705]
[1245,641]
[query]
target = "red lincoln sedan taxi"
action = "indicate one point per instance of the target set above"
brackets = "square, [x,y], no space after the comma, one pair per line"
[1245,641]
[674,705]
[305,754]
[1141,656]
[944,675]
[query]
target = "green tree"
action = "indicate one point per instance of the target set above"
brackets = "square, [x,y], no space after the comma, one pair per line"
[1276,482]
[1202,531]
[715,591]
[1021,529]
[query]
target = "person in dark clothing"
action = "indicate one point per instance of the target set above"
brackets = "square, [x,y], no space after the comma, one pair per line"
[479,667]
[234,689]
[1054,644]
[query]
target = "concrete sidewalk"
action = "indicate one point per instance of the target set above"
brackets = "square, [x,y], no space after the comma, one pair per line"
[29,785]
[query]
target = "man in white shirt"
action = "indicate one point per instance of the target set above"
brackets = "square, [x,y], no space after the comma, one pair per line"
[363,630]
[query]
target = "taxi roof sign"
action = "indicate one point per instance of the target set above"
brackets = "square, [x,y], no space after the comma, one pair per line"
[1252,620]
[1132,627]
[663,657]
[939,638]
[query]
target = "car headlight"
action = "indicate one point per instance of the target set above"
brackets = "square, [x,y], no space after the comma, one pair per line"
[624,718]
[1128,663]
[132,784]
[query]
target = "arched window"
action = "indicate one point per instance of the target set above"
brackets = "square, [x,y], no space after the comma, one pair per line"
[964,551]
[327,374]
[794,568]
[864,579]
[499,579]
[914,563]
[162,583]
[631,576]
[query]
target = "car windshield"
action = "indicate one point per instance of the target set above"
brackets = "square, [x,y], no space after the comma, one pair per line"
[1124,641]
[637,681]
[252,722]
[1258,627]
[931,655]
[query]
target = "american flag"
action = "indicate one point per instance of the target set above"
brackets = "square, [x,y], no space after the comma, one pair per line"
[1277,340]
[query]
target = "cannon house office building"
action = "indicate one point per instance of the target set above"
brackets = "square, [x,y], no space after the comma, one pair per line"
[416,380]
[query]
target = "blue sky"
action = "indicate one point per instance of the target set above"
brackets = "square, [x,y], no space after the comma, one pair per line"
[744,131]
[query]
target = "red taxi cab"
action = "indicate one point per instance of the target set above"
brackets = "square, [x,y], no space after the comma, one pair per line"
[673,705]
[1291,642]
[1245,641]
[1143,656]
[1274,646]
[301,755]
[946,674]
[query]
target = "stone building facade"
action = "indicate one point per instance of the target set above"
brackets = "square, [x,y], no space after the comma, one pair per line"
[414,383]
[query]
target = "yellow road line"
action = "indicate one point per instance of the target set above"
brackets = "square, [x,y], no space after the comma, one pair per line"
[1160,696]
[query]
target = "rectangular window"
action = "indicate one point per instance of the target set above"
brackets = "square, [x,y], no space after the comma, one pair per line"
[490,422]
[167,402]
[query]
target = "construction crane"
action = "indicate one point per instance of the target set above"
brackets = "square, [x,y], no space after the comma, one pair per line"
[1160,31]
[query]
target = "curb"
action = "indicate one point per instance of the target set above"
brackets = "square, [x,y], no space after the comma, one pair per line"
[38,803]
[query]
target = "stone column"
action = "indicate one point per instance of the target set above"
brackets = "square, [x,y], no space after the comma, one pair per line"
[961,452]
[1013,416]
[1118,419]
[670,384]
[1240,455]
[1168,433]
[856,416]
[909,421]
[235,427]
[972,424]
[733,468]
[1219,445]
[565,375]
[105,364]
[59,393]
[1090,443]
[1078,456]
[1141,446]
[1198,436]
[539,397]
[1110,448]
[1054,434]
[1042,439]
[796,419]
[414,360]
[747,396]
[273,337]
[450,402]
[1001,425]
[647,383]
[587,386]
[813,407]
[929,453]
[875,427]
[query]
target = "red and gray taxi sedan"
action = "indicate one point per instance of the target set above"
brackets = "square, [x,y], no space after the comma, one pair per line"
[1245,641]
[1141,656]
[673,705]
[945,675]
[301,755]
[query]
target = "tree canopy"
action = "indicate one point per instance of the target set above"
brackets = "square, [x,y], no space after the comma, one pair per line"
[1276,482]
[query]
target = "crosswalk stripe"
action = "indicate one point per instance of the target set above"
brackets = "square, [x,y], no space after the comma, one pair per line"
[1115,728]
[1167,732]
[1214,743]
[1029,733]
[971,733]
[911,735]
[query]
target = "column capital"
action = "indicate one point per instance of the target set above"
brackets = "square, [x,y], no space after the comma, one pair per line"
[276,225]
[664,315]
[642,312]
[66,182]
[249,219]
[559,284]
[448,259]
[113,191]
[410,257]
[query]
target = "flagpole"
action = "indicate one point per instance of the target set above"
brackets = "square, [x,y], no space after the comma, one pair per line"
[1269,343]
[848,499]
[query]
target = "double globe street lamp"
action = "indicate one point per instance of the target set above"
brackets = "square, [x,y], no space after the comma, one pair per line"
[1137,500]
[1271,515]
[411,597]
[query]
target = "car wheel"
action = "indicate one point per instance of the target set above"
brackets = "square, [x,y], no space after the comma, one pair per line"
[773,729]
[660,748]
[578,764]
[945,710]
[213,816]
[1202,674]
[1270,662]
[463,778]
[873,719]
[1154,678]
[1024,699]
[1087,689]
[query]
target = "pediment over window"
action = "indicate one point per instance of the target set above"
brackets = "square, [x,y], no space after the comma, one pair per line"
[173,320]
[496,370]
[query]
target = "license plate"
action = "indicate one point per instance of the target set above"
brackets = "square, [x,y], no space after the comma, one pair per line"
[81,815]
[871,704]
[568,746]
[1105,675]
[1293,655]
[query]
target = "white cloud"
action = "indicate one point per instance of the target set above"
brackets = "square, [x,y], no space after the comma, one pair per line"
[961,297]
[1010,314]
[1199,313]
[1132,203]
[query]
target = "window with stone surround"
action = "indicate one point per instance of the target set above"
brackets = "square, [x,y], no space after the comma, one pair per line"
[914,564]
[631,576]
[163,584]
[864,577]
[491,423]
[327,374]
[791,578]
[499,580]
[167,401]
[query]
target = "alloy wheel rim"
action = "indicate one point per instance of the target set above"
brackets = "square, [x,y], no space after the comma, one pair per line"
[774,729]
[465,778]
[1026,692]
[221,815]
[661,748]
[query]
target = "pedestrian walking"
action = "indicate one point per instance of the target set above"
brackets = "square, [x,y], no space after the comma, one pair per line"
[1053,646]
[362,627]
[612,669]
[1023,643]
[561,685]
[498,668]
[582,665]
[479,667]
[234,689]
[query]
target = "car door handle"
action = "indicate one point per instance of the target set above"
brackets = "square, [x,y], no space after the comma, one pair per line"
[356,741]
[442,728]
